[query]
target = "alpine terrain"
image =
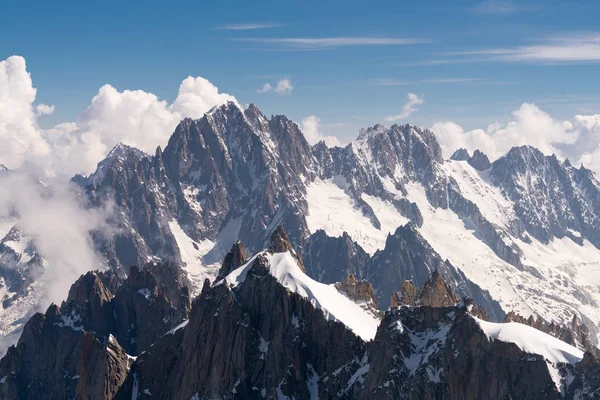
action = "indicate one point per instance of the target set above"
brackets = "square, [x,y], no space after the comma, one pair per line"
[244,263]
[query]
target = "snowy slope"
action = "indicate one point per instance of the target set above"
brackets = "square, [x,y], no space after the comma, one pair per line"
[559,279]
[203,260]
[533,341]
[475,186]
[330,208]
[334,304]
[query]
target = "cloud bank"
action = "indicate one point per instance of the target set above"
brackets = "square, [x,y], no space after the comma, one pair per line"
[577,139]
[135,117]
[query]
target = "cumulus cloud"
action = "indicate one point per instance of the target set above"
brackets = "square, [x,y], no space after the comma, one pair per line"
[283,86]
[577,139]
[408,108]
[311,129]
[135,117]
[20,135]
[44,109]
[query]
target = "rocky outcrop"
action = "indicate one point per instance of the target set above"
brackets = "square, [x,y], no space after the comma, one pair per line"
[408,256]
[577,334]
[264,342]
[55,359]
[479,161]
[441,353]
[236,257]
[460,155]
[360,291]
[331,259]
[435,293]
[409,295]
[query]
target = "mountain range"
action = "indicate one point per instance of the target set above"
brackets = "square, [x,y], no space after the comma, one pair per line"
[376,270]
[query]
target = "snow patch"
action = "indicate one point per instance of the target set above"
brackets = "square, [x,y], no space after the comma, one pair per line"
[202,260]
[331,209]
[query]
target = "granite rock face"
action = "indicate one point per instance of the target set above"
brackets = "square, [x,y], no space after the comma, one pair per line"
[255,338]
[84,348]
[330,259]
[479,161]
[407,256]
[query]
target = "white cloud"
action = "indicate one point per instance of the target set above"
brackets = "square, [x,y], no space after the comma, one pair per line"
[43,109]
[578,139]
[250,26]
[579,47]
[332,42]
[408,108]
[20,135]
[311,129]
[135,117]
[283,86]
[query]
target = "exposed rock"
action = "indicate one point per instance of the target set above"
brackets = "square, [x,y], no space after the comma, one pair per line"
[408,256]
[236,257]
[331,259]
[361,291]
[280,243]
[435,293]
[479,161]
[55,360]
[460,155]
[577,334]
[441,353]
[258,340]
[409,293]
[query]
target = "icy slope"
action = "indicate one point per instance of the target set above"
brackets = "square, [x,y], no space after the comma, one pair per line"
[334,304]
[331,209]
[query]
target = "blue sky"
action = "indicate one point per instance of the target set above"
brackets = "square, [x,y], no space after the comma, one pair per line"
[471,62]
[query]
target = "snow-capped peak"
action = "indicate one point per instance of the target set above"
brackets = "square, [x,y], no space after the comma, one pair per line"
[335,305]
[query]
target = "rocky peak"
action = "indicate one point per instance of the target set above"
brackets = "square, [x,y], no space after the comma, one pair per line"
[236,257]
[479,161]
[331,259]
[361,291]
[407,297]
[280,242]
[435,293]
[89,288]
[460,155]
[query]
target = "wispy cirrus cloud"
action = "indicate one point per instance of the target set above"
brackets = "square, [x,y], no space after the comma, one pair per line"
[250,26]
[389,82]
[454,80]
[571,48]
[496,7]
[305,43]
[398,82]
